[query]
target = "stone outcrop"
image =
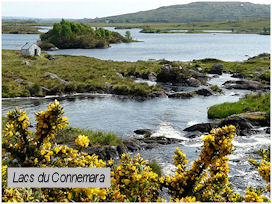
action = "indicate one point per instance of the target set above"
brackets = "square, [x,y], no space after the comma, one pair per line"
[245,84]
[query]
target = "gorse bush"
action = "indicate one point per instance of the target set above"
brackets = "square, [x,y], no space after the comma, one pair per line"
[133,179]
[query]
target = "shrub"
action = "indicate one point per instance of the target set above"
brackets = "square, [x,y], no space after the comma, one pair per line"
[156,167]
[35,90]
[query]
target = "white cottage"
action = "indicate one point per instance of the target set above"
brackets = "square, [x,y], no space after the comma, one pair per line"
[31,49]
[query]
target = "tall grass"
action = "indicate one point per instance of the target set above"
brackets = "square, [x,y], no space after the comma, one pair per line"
[97,138]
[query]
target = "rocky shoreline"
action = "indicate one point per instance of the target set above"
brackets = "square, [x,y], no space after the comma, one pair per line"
[171,79]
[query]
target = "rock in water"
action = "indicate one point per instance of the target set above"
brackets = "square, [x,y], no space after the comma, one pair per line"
[142,131]
[204,92]
[193,134]
[201,127]
[217,69]
[245,84]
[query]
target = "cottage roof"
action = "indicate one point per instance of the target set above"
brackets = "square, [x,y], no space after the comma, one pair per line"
[27,45]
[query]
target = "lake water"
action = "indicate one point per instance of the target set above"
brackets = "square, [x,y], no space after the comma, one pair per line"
[171,46]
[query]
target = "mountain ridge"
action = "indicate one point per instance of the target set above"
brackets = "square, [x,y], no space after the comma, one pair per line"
[192,12]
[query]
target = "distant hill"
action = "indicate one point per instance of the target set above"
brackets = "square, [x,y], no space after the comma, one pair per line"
[193,12]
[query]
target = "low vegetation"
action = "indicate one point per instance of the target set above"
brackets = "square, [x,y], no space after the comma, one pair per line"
[132,179]
[258,25]
[97,138]
[68,34]
[256,68]
[20,27]
[80,75]
[30,76]
[250,103]
[192,12]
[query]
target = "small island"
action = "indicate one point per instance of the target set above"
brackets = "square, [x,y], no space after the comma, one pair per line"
[66,35]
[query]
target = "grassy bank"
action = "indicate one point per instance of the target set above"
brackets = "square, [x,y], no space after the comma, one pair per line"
[250,103]
[256,68]
[22,27]
[258,25]
[27,76]
[97,138]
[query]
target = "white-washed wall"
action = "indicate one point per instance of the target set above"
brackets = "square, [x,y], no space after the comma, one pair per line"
[31,51]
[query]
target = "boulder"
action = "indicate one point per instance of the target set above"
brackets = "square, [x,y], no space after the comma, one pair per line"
[152,77]
[119,75]
[238,75]
[25,62]
[132,144]
[193,82]
[217,69]
[54,76]
[46,90]
[19,80]
[267,131]
[201,127]
[245,84]
[197,68]
[155,94]
[181,94]
[243,126]
[160,140]
[122,149]
[172,75]
[142,131]
[53,49]
[204,92]
[166,67]
[104,153]
[256,118]
[193,134]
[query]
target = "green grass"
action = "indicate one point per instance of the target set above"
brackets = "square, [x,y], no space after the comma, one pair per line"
[216,89]
[83,74]
[97,138]
[256,68]
[89,75]
[22,27]
[250,103]
[156,167]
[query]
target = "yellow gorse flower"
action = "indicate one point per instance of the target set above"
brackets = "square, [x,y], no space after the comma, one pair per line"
[82,141]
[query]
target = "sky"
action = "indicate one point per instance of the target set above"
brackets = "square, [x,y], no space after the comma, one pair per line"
[86,8]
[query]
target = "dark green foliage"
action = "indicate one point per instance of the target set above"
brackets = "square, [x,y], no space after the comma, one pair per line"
[216,89]
[78,35]
[128,35]
[156,167]
[35,90]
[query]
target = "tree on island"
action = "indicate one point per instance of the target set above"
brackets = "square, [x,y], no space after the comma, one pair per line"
[128,35]
[68,34]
